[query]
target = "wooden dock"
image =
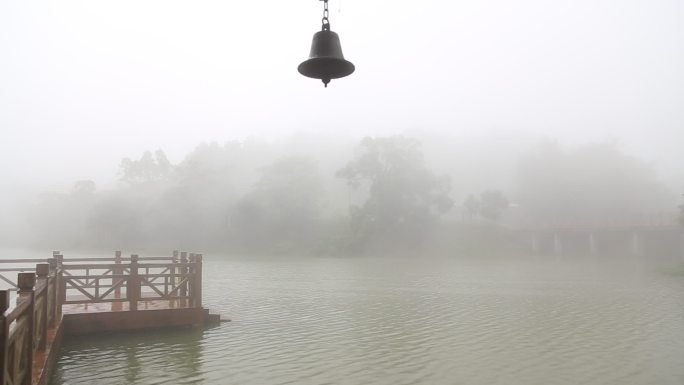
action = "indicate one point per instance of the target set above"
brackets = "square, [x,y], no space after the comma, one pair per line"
[61,297]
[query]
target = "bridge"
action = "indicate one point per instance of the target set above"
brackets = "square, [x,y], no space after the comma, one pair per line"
[56,297]
[653,236]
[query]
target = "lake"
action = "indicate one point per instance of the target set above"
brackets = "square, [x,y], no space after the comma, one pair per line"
[399,321]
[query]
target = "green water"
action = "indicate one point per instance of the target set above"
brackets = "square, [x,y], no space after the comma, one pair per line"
[399,321]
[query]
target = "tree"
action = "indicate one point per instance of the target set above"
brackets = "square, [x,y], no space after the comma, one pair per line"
[62,217]
[492,205]
[147,169]
[84,188]
[283,209]
[488,205]
[594,182]
[404,197]
[471,206]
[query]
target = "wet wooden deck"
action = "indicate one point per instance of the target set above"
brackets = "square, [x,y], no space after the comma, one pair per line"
[103,295]
[105,307]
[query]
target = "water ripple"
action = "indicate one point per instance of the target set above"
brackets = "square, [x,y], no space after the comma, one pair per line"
[357,322]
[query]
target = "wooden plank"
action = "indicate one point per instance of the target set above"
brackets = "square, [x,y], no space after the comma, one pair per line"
[165,265]
[17,311]
[82,277]
[101,266]
[79,288]
[111,289]
[28,260]
[2,277]
[143,281]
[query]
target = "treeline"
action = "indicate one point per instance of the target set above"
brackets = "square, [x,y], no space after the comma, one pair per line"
[384,194]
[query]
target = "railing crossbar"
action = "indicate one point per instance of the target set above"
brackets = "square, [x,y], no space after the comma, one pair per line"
[14,285]
[179,286]
[144,281]
[111,289]
[68,275]
[80,288]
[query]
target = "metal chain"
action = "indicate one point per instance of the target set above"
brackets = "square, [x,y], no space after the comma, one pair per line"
[325,21]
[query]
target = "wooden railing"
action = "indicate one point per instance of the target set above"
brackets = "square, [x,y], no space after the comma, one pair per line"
[57,281]
[135,279]
[24,327]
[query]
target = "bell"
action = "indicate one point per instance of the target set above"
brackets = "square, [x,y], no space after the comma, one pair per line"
[326,60]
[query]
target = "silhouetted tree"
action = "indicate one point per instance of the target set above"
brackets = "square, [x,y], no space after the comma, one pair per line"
[84,188]
[147,169]
[492,205]
[404,197]
[282,211]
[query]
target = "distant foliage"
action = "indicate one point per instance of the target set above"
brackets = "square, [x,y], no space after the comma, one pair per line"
[404,198]
[61,219]
[595,182]
[376,196]
[147,169]
[492,204]
[282,211]
[489,205]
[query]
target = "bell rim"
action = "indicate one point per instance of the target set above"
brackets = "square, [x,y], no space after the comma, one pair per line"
[348,70]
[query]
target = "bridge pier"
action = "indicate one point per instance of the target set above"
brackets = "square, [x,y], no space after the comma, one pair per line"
[637,244]
[593,250]
[661,242]
[557,245]
[534,243]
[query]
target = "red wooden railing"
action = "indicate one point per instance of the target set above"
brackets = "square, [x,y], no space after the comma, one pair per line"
[57,281]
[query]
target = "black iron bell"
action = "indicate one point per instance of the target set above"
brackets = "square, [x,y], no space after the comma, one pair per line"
[326,60]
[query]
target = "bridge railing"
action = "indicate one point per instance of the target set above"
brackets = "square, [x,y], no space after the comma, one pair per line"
[627,221]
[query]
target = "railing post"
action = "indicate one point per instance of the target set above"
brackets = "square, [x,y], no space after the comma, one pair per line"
[52,291]
[61,286]
[4,331]
[26,282]
[174,277]
[42,271]
[133,286]
[198,280]
[191,280]
[184,274]
[117,271]
[192,270]
[593,250]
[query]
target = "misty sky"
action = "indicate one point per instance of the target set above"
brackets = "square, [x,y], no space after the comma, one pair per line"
[85,83]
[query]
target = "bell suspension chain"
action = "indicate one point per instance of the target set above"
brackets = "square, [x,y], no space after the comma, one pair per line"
[326,14]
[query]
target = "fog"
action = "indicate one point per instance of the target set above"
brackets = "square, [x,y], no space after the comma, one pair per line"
[494,196]
[130,124]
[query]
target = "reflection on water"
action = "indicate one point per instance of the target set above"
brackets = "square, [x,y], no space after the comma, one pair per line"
[160,357]
[381,321]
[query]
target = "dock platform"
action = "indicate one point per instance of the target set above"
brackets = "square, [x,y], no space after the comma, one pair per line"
[61,297]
